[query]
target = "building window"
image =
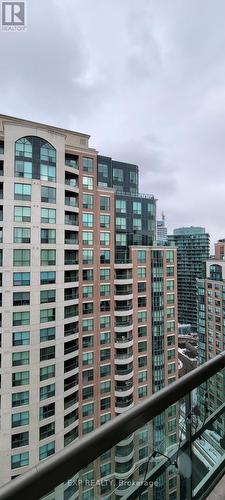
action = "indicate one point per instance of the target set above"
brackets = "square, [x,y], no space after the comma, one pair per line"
[20,338]
[47,315]
[105,274]
[105,322]
[20,358]
[48,194]
[48,257]
[47,277]
[47,353]
[88,308]
[19,419]
[104,239]
[105,221]
[136,224]
[21,318]
[87,256]
[121,239]
[88,219]
[48,391]
[22,235]
[20,378]
[142,361]
[20,399]
[137,207]
[88,201]
[47,372]
[48,173]
[48,215]
[88,342]
[22,214]
[88,358]
[87,426]
[22,192]
[133,177]
[47,411]
[121,223]
[47,296]
[141,272]
[47,334]
[105,386]
[105,403]
[21,279]
[142,376]
[105,257]
[21,257]
[46,430]
[21,298]
[48,236]
[142,287]
[23,169]
[88,410]
[103,170]
[141,256]
[88,183]
[35,158]
[87,325]
[118,174]
[46,450]
[88,238]
[88,165]
[105,203]
[20,460]
[105,371]
[121,206]
[70,311]
[88,291]
[104,290]
[105,418]
[87,274]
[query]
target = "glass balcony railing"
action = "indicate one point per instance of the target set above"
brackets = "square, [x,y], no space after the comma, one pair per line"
[170,446]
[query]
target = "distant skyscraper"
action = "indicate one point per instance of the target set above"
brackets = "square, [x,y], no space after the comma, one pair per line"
[161,230]
[193,249]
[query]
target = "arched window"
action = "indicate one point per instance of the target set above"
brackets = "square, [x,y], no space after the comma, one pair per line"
[35,158]
[216,272]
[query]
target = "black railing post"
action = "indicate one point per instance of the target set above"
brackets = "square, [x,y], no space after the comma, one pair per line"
[188,422]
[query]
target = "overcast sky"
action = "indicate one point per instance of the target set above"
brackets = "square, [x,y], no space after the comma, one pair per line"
[146,78]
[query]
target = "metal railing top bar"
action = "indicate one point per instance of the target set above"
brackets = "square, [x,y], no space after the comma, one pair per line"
[47,475]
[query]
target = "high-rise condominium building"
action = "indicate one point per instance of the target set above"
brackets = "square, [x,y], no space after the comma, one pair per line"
[161,230]
[211,328]
[88,307]
[192,250]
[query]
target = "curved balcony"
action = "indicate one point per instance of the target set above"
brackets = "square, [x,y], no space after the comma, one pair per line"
[123,374]
[124,343]
[122,409]
[123,309]
[123,280]
[124,458]
[124,358]
[123,296]
[124,451]
[123,326]
[125,390]
[125,471]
